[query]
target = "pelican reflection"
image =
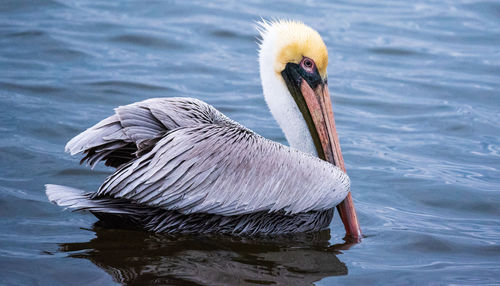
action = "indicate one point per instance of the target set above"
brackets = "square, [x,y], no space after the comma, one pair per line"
[138,258]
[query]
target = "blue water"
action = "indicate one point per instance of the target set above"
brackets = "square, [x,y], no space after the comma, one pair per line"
[415,86]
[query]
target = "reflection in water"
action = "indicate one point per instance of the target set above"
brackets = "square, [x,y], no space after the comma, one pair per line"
[133,257]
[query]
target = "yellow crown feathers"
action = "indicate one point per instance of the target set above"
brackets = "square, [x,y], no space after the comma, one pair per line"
[295,40]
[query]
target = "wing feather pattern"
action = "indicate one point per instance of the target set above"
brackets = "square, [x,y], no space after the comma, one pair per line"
[136,127]
[182,154]
[226,170]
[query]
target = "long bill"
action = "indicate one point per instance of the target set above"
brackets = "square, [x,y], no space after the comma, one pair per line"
[321,114]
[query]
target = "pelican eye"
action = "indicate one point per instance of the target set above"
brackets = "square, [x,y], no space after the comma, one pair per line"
[307,64]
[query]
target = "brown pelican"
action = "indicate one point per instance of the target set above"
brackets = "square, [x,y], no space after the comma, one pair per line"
[182,166]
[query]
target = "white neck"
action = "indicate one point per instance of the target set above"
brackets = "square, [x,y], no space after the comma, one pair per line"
[280,101]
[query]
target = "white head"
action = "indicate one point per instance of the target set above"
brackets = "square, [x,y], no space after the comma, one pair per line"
[286,42]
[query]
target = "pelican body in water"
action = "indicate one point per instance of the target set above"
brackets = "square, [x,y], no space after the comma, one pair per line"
[182,166]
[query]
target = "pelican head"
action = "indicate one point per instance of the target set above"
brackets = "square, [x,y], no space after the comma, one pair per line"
[293,61]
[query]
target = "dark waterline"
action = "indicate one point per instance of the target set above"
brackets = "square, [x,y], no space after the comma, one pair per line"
[415,87]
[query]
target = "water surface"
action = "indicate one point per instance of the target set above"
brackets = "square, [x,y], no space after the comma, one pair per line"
[415,86]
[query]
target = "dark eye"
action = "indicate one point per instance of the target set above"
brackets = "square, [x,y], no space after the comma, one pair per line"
[307,64]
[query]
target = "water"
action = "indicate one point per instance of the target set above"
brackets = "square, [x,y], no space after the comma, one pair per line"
[415,86]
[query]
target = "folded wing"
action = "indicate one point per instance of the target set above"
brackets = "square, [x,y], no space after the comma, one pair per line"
[182,154]
[135,128]
[226,170]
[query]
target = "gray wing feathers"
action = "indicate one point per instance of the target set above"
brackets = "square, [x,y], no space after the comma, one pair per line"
[133,127]
[182,154]
[64,196]
[99,134]
[227,170]
[80,200]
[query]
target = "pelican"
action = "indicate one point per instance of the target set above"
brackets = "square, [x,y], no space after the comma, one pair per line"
[184,167]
